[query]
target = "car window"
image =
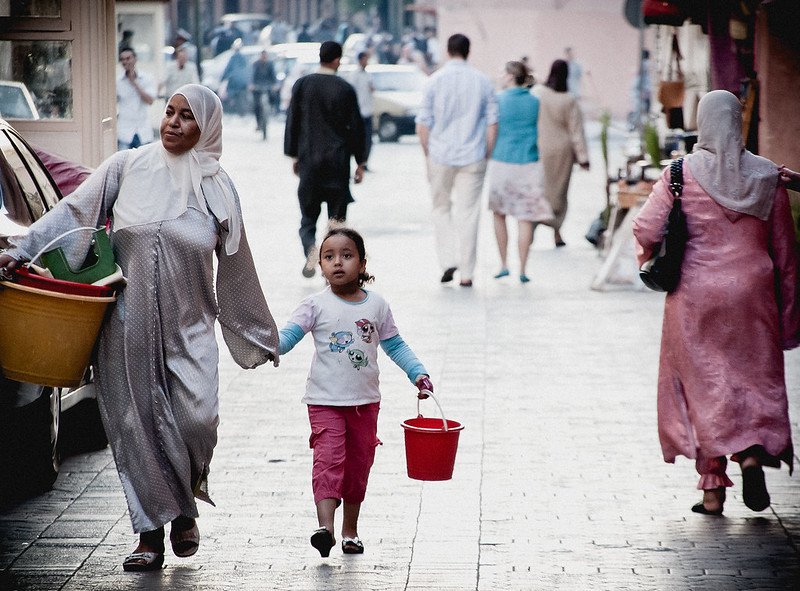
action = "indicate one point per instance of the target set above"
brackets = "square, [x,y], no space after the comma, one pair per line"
[13,102]
[28,190]
[398,81]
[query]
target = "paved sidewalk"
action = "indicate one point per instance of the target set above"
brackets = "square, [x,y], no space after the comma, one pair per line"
[559,482]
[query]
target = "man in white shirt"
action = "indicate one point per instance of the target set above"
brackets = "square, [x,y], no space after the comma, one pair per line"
[362,82]
[574,73]
[457,128]
[184,39]
[179,71]
[136,91]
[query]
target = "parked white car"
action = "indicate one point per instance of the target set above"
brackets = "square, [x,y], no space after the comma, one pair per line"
[396,100]
[16,101]
[37,423]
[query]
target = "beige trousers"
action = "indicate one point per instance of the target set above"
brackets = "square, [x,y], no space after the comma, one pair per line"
[456,193]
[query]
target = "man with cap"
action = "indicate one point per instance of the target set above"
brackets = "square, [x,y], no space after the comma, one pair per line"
[324,130]
[184,39]
[178,72]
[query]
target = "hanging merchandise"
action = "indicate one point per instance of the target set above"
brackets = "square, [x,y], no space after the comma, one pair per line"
[664,12]
[671,90]
[737,26]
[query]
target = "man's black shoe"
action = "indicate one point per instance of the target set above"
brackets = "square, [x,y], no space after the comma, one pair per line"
[447,277]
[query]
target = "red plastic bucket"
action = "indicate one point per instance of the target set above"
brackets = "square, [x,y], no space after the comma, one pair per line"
[431,446]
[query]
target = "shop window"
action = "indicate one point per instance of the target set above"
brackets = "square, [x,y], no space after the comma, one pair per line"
[36,79]
[31,8]
[34,15]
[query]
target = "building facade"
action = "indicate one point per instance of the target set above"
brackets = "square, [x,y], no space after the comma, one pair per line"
[63,53]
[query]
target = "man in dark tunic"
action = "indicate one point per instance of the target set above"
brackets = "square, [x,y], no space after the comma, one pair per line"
[323,130]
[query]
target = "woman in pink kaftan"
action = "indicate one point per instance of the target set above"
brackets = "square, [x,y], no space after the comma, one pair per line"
[721,387]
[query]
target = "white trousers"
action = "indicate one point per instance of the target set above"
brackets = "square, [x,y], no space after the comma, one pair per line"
[456,193]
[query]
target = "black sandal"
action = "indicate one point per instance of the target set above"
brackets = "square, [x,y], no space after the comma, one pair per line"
[323,541]
[701,507]
[754,488]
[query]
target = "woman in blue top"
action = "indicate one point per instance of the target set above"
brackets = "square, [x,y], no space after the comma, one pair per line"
[515,175]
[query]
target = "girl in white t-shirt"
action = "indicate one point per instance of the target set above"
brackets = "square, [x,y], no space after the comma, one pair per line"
[347,323]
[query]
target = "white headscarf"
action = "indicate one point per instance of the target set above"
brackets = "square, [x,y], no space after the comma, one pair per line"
[158,185]
[734,177]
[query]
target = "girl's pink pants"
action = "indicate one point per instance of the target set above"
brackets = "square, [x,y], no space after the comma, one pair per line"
[344,439]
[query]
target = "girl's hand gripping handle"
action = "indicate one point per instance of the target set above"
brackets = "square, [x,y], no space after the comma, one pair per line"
[425,386]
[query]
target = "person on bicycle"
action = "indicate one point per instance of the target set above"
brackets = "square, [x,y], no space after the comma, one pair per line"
[262,82]
[236,78]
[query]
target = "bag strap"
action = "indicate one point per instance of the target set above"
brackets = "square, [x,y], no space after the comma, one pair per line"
[676,177]
[676,56]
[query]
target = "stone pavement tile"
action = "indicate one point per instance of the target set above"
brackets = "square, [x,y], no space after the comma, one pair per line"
[22,581]
[164,580]
[324,577]
[73,483]
[17,536]
[86,464]
[536,579]
[462,552]
[47,555]
[8,556]
[47,507]
[437,584]
[686,572]
[78,528]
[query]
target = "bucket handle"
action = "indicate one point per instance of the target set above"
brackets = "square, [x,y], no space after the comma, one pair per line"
[59,237]
[439,406]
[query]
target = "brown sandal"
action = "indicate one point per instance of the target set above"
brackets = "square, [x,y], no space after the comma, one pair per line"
[185,542]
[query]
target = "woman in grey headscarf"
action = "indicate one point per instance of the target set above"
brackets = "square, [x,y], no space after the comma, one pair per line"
[171,208]
[721,386]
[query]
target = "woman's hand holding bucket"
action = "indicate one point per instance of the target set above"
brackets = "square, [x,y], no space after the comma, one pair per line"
[7,264]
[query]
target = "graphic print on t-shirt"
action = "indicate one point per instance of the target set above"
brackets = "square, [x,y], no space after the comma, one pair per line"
[358,358]
[340,340]
[365,330]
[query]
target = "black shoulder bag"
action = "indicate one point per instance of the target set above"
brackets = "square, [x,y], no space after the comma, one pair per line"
[663,271]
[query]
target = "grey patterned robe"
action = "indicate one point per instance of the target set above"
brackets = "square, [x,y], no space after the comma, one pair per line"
[156,360]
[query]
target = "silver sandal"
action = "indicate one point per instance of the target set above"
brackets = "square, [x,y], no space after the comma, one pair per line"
[143,561]
[352,546]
